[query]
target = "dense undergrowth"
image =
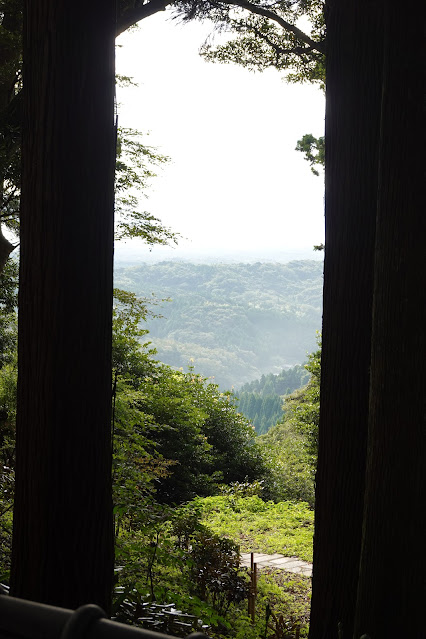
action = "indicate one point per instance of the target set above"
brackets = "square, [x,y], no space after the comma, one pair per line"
[259,526]
[190,566]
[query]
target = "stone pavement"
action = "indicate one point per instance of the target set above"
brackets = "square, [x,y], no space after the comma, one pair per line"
[291,564]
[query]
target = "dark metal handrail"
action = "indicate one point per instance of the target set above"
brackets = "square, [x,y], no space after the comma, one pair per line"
[22,619]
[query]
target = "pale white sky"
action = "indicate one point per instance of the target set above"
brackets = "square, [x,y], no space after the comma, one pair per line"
[235,182]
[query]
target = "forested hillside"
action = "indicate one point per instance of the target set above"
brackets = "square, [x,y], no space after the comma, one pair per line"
[261,401]
[235,321]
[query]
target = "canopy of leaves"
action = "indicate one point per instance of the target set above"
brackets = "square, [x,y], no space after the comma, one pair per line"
[267,35]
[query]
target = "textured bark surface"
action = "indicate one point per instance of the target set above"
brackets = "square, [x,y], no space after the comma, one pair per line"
[62,538]
[352,133]
[392,573]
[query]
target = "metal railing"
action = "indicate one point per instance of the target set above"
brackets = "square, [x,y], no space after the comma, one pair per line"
[22,619]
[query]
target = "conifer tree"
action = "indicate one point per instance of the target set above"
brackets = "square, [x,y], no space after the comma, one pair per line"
[63,537]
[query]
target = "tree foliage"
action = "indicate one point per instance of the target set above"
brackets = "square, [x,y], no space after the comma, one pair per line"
[191,424]
[267,35]
[301,409]
[314,150]
[291,446]
[135,166]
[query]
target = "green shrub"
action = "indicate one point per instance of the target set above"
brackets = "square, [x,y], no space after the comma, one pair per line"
[216,572]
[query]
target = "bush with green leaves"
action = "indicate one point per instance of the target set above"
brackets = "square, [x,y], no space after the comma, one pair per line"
[302,409]
[290,448]
[291,475]
[172,559]
[216,572]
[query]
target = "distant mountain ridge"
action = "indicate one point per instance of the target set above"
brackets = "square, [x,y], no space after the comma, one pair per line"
[235,321]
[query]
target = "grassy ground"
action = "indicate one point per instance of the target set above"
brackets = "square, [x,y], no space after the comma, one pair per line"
[283,598]
[257,526]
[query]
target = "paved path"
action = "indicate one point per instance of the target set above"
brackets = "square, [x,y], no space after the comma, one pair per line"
[291,564]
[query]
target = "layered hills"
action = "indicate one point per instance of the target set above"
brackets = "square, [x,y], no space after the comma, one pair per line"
[233,322]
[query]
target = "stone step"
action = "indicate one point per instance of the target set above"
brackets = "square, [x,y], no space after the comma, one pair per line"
[291,564]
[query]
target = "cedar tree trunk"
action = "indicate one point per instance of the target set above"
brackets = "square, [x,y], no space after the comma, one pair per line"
[353,95]
[62,538]
[392,574]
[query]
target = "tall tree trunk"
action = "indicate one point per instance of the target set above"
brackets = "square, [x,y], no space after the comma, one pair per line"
[352,132]
[62,538]
[392,574]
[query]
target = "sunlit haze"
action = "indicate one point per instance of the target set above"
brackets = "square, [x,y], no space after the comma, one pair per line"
[235,184]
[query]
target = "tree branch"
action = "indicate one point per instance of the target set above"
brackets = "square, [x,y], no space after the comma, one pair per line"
[267,13]
[132,16]
[279,50]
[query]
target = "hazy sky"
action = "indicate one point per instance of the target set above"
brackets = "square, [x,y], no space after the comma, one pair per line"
[235,182]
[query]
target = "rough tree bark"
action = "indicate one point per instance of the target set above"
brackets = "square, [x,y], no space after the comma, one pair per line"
[62,538]
[391,595]
[353,74]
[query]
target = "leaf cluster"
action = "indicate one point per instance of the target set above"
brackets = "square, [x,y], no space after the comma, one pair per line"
[267,35]
[314,150]
[136,165]
[215,570]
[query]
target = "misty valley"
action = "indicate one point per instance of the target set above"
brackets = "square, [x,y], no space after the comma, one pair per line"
[232,322]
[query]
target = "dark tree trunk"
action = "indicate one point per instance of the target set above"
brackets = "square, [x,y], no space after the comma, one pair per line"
[62,538]
[392,574]
[354,52]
